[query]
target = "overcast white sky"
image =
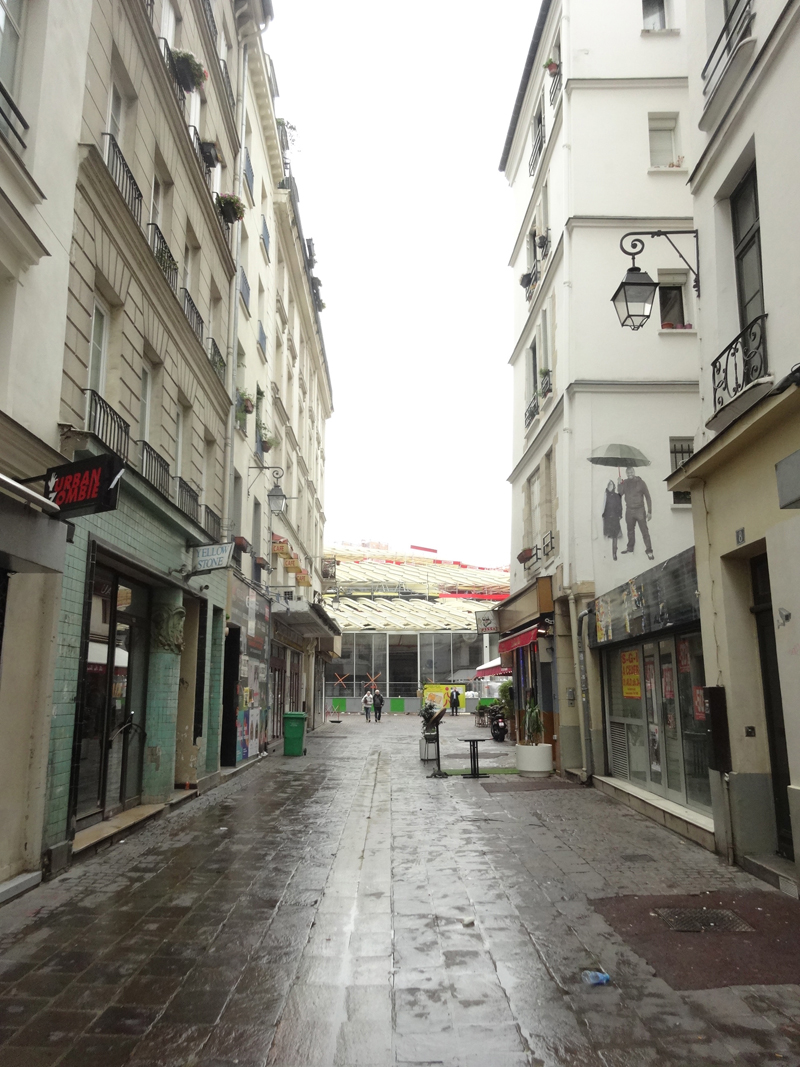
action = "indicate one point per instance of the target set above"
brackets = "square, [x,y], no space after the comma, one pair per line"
[401,115]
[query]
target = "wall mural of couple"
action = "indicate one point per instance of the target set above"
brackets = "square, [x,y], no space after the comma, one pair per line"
[630,491]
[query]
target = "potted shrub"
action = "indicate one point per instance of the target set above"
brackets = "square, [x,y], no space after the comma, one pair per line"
[525,279]
[534,759]
[524,555]
[191,72]
[230,207]
[551,66]
[246,402]
[208,150]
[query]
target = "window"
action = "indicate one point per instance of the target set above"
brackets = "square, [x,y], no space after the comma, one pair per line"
[10,35]
[168,23]
[680,449]
[145,401]
[747,249]
[671,300]
[98,346]
[115,107]
[545,340]
[662,140]
[180,420]
[156,202]
[653,14]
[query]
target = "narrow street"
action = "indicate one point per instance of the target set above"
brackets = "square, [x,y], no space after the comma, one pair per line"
[346,909]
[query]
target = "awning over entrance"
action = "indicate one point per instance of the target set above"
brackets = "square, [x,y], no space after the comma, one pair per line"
[527,637]
[492,669]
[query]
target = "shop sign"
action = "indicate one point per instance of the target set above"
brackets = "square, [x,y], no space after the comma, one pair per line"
[212,557]
[439,695]
[486,622]
[86,487]
[631,678]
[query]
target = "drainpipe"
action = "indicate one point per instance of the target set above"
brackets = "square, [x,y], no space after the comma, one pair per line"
[233,320]
[585,708]
[576,660]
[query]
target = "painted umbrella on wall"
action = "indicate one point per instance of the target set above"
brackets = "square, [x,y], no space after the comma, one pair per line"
[631,488]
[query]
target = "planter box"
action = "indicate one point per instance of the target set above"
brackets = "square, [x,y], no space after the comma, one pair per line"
[534,761]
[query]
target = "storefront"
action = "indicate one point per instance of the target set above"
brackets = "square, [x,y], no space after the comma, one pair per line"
[648,635]
[244,688]
[526,626]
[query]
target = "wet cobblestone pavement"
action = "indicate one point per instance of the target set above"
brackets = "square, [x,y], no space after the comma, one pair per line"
[344,909]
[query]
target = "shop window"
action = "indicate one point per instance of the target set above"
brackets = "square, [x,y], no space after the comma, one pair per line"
[680,450]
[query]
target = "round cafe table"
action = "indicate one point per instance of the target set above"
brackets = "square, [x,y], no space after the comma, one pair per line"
[474,770]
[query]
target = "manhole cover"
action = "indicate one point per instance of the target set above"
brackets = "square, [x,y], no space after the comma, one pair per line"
[699,920]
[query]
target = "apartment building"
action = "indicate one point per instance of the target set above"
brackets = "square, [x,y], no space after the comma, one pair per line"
[598,148]
[744,481]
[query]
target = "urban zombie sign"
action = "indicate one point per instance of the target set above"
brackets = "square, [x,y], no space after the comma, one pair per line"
[85,487]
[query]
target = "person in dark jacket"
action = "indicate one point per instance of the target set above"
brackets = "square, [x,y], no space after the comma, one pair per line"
[377,704]
[454,701]
[612,516]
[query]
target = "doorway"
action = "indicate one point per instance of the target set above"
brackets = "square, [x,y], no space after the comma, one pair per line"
[773,702]
[230,699]
[113,711]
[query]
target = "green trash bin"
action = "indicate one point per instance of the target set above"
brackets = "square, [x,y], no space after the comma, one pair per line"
[294,733]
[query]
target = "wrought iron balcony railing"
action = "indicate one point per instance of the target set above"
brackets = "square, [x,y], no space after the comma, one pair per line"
[743,362]
[531,411]
[545,383]
[244,288]
[197,145]
[536,151]
[106,424]
[249,177]
[154,468]
[555,88]
[192,315]
[217,359]
[212,24]
[163,257]
[223,66]
[148,6]
[265,235]
[123,179]
[172,73]
[11,120]
[548,544]
[262,338]
[536,275]
[187,499]
[212,524]
[736,29]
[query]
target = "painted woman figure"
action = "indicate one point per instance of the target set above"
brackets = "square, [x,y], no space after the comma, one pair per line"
[612,516]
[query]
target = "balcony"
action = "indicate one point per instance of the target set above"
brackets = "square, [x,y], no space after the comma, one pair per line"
[545,383]
[192,315]
[107,425]
[262,339]
[555,89]
[265,236]
[210,20]
[536,276]
[249,177]
[154,468]
[244,288]
[172,73]
[11,120]
[536,151]
[531,411]
[548,544]
[281,309]
[223,66]
[197,145]
[163,257]
[216,359]
[123,179]
[212,524]
[187,499]
[735,31]
[739,374]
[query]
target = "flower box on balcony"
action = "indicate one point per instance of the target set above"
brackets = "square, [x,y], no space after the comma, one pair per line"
[260,561]
[242,543]
[190,71]
[525,555]
[230,207]
[208,150]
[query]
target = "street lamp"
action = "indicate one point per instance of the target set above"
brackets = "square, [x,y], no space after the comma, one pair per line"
[636,293]
[276,498]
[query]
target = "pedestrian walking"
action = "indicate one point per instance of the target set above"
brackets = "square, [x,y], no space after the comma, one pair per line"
[454,701]
[377,703]
[366,704]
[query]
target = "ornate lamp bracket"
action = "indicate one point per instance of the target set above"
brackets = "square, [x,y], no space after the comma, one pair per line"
[636,247]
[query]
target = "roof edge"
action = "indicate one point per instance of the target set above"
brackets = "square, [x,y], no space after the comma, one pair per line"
[544,11]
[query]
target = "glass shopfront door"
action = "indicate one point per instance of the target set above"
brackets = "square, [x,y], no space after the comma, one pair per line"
[112,726]
[656,718]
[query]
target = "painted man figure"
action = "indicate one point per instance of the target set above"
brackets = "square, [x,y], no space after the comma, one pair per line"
[638,509]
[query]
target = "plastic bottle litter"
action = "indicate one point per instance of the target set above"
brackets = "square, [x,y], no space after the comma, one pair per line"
[595,977]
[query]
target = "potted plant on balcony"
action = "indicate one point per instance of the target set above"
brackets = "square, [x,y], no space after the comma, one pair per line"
[230,207]
[525,279]
[534,759]
[525,555]
[208,150]
[551,66]
[246,402]
[191,72]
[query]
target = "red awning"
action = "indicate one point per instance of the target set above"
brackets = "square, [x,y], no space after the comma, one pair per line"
[492,669]
[527,637]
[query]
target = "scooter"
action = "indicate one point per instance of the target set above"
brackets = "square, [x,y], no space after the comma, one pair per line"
[498,726]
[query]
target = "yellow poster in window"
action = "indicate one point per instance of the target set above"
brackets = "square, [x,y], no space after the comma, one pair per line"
[631,677]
